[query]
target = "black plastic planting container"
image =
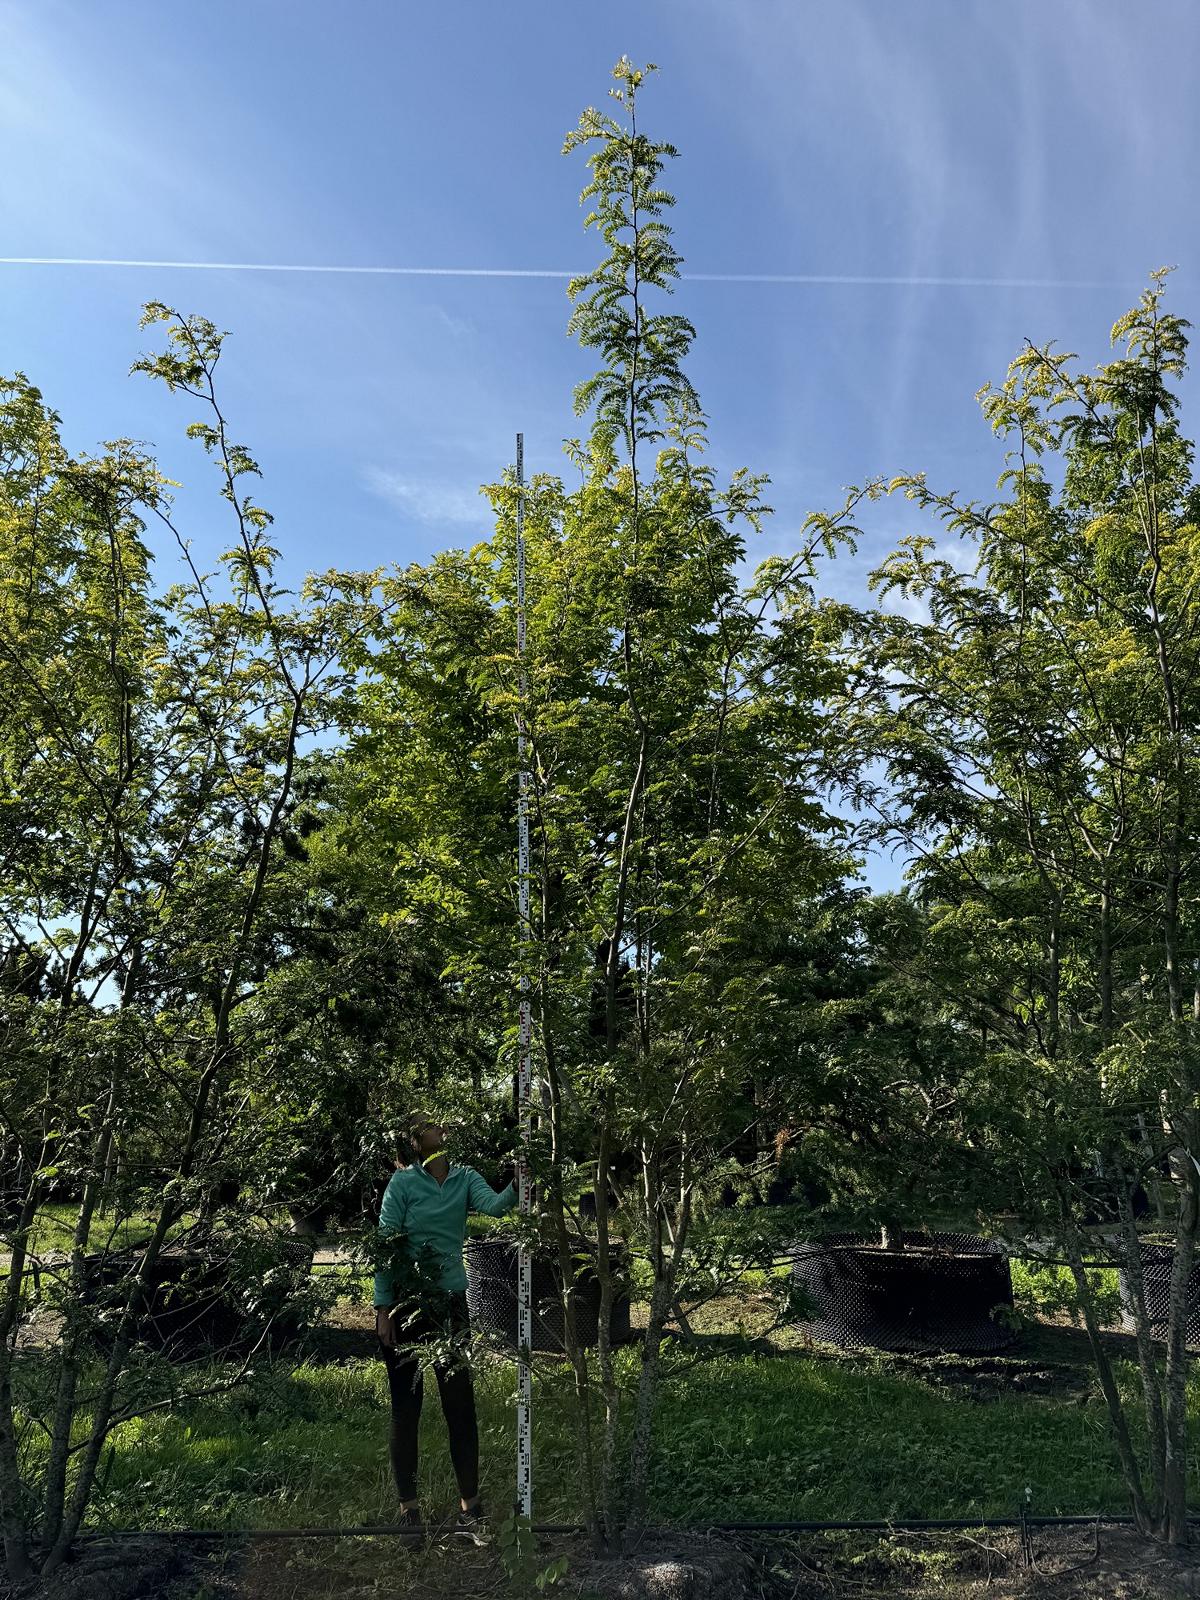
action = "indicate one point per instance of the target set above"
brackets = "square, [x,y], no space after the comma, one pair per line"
[492,1298]
[189,1298]
[1158,1263]
[940,1292]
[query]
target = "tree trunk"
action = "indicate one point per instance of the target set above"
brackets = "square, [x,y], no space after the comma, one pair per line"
[62,1425]
[1152,1398]
[608,1381]
[16,1534]
[576,1355]
[661,1299]
[1147,1523]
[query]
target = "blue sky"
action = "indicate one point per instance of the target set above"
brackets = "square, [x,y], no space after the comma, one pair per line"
[1001,139]
[1052,141]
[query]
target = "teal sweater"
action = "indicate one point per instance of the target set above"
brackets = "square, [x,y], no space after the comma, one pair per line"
[435,1214]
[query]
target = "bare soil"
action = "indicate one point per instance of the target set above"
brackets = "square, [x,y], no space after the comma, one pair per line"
[1064,1564]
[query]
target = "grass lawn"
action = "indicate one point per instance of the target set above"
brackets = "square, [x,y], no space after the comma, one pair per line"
[749,1434]
[54,1228]
[741,1438]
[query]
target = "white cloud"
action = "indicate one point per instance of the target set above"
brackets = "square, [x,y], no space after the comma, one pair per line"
[903,603]
[435,504]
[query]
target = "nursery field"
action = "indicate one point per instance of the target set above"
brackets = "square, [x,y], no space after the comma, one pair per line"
[729,950]
[752,1429]
[792,1436]
[757,1424]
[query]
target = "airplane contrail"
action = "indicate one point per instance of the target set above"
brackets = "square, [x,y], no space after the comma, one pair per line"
[816,279]
[283,266]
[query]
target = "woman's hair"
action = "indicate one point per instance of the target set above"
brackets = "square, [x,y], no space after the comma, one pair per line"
[408,1134]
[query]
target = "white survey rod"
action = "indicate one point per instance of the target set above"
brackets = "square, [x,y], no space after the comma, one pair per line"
[524,1065]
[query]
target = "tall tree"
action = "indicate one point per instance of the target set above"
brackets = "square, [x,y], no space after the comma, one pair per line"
[149,747]
[680,755]
[1039,729]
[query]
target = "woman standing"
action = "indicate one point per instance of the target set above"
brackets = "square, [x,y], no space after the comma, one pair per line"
[427,1203]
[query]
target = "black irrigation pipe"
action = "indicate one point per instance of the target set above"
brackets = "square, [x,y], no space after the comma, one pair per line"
[918,1524]
[401,1531]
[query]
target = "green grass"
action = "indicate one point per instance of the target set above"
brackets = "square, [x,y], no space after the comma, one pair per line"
[1048,1292]
[777,1439]
[739,1438]
[54,1228]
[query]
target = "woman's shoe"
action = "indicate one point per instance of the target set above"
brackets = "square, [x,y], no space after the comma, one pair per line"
[470,1525]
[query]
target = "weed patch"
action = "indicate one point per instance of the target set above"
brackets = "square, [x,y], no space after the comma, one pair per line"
[740,1438]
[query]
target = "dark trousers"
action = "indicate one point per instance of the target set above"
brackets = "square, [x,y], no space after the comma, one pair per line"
[457,1394]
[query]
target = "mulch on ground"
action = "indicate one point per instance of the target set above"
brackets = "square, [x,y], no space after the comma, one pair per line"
[1064,1564]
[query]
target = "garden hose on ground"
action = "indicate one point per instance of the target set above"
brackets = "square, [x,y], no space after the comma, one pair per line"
[399,1531]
